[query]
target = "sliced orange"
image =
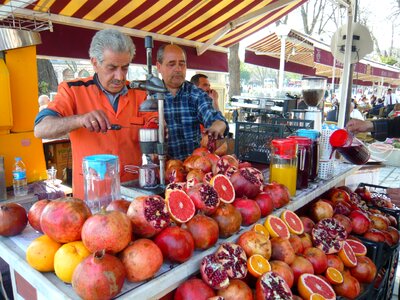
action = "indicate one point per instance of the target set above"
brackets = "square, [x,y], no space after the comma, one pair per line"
[346,254]
[276,227]
[358,247]
[333,275]
[292,221]
[316,296]
[258,265]
[260,228]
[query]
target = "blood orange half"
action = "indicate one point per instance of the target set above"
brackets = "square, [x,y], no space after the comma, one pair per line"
[276,227]
[347,255]
[309,284]
[224,188]
[180,206]
[292,221]
[358,247]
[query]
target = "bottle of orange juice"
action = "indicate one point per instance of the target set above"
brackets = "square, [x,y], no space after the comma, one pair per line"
[283,163]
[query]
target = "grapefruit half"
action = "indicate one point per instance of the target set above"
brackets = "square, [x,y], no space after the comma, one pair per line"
[358,247]
[180,206]
[292,221]
[224,188]
[347,255]
[309,284]
[276,227]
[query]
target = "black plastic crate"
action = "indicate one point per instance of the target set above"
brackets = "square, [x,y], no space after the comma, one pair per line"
[253,140]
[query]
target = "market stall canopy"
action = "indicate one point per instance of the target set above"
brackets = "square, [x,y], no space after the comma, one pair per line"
[203,25]
[308,56]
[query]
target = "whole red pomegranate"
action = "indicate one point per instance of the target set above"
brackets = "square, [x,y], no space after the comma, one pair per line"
[349,288]
[108,230]
[247,182]
[13,219]
[142,259]
[264,201]
[149,215]
[176,244]
[175,173]
[308,224]
[98,276]
[62,219]
[228,219]
[394,233]
[204,230]
[249,210]
[195,289]
[379,222]
[360,222]
[255,243]
[317,258]
[345,222]
[296,243]
[365,270]
[278,192]
[374,235]
[202,163]
[236,290]
[335,262]
[204,197]
[282,250]
[35,212]
[121,205]
[301,265]
[321,210]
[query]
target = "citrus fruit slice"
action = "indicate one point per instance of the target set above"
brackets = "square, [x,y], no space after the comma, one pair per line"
[358,247]
[316,296]
[333,275]
[258,265]
[292,221]
[276,227]
[261,229]
[224,188]
[309,284]
[347,255]
[180,206]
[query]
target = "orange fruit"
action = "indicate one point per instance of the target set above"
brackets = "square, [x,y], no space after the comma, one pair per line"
[292,221]
[333,275]
[346,254]
[316,296]
[276,227]
[67,257]
[40,253]
[358,247]
[261,229]
[309,284]
[258,265]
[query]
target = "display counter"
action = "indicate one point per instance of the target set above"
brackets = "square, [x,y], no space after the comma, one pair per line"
[31,284]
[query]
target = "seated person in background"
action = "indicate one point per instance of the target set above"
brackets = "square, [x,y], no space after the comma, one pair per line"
[202,82]
[355,113]
[43,100]
[374,111]
[395,111]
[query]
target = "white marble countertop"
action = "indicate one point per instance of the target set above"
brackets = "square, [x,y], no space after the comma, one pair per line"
[12,250]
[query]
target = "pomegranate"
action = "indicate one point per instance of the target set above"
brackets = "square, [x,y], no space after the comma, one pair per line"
[204,230]
[360,222]
[98,276]
[337,194]
[301,265]
[388,237]
[234,260]
[296,243]
[175,173]
[249,210]
[35,212]
[224,163]
[345,222]
[264,201]
[317,258]
[142,259]
[349,288]
[194,177]
[222,149]
[272,286]
[213,272]
[364,193]
[328,235]
[204,197]
[121,205]
[342,207]
[278,192]
[176,244]
[62,219]
[149,215]
[13,219]
[228,219]
[394,233]
[207,177]
[282,250]
[379,222]
[201,151]
[247,182]
[308,224]
[189,161]
[365,271]
[173,162]
[195,289]
[108,230]
[236,290]
[392,220]
[374,235]
[255,243]
[335,262]
[321,210]
[230,171]
[213,158]
[283,269]
[202,163]
[306,240]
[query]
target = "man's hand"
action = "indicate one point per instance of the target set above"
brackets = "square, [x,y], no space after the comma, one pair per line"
[217,129]
[96,121]
[356,126]
[394,195]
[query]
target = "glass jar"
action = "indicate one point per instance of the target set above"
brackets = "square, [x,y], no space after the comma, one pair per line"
[314,136]
[283,165]
[303,160]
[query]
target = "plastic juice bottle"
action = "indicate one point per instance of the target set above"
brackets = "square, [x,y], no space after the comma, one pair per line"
[283,165]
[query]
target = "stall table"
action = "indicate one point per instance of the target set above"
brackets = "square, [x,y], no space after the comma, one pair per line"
[31,284]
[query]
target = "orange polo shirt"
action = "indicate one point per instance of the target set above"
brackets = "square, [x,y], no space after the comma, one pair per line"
[82,96]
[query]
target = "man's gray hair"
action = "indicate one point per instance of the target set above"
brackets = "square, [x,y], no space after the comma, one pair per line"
[113,40]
